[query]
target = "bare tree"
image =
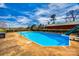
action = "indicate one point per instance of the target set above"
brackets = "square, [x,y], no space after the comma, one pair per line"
[77,13]
[71,14]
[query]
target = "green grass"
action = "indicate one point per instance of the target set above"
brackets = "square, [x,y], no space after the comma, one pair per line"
[2,30]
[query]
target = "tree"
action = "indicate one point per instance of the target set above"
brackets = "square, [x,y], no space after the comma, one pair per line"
[48,22]
[72,14]
[53,18]
[33,27]
[40,27]
[77,13]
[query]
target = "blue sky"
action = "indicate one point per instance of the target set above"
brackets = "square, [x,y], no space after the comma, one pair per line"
[26,14]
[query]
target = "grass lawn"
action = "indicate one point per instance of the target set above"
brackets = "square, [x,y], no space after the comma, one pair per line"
[2,30]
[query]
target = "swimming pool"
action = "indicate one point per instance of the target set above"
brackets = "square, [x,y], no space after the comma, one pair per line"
[46,39]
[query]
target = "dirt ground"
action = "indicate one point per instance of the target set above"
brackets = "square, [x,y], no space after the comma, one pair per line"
[16,45]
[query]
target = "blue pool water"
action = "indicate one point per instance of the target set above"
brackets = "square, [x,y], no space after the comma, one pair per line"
[46,39]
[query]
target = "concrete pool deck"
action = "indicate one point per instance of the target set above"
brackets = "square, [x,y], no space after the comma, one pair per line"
[14,44]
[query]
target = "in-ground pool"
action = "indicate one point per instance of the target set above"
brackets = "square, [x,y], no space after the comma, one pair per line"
[46,39]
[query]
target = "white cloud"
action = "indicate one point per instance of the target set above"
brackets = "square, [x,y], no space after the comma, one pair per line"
[41,11]
[43,20]
[52,9]
[58,5]
[38,15]
[56,8]
[2,5]
[15,24]
[58,18]
[73,8]
[23,19]
[8,16]
[61,8]
[20,21]
[3,24]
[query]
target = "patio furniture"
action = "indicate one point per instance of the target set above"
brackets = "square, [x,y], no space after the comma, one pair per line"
[2,34]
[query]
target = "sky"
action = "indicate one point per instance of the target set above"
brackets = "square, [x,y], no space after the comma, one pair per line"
[27,14]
